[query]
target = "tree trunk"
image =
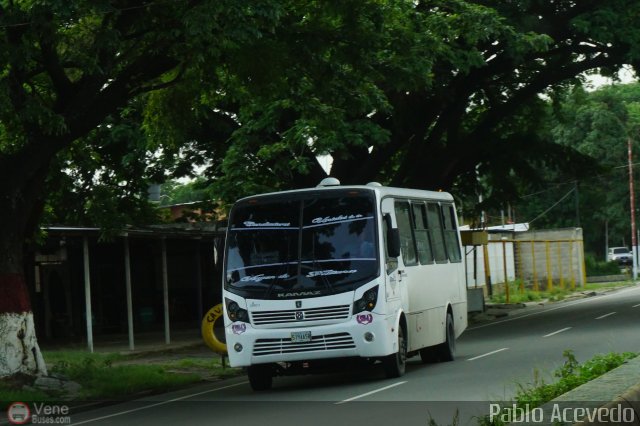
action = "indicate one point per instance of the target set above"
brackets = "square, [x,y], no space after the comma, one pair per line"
[19,347]
[21,201]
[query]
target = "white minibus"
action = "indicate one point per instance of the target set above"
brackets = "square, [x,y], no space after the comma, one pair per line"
[336,272]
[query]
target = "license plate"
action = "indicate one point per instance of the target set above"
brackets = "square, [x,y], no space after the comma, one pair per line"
[300,336]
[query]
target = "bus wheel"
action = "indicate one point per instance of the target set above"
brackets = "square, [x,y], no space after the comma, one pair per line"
[260,377]
[447,350]
[395,364]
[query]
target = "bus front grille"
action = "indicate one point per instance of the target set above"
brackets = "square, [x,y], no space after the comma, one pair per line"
[340,312]
[318,343]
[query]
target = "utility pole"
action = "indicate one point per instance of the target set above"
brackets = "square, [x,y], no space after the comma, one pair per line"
[634,241]
[577,201]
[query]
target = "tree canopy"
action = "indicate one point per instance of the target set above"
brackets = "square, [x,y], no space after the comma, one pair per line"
[598,124]
[420,94]
[100,98]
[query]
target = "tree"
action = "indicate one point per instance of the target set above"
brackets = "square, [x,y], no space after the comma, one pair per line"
[67,67]
[599,125]
[420,94]
[394,102]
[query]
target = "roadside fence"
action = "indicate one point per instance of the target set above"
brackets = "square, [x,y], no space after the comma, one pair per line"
[534,263]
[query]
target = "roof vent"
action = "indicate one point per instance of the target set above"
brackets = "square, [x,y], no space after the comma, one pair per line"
[374,184]
[329,181]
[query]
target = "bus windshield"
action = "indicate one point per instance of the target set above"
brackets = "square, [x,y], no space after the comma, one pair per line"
[312,245]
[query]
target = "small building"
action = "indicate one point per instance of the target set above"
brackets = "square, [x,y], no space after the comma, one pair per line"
[156,278]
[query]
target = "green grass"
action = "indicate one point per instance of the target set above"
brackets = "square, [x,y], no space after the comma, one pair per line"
[601,286]
[114,376]
[103,380]
[517,294]
[12,391]
[571,375]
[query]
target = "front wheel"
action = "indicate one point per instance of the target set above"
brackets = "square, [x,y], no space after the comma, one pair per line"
[395,364]
[260,377]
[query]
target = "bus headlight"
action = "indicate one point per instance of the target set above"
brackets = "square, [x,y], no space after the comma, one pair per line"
[235,312]
[367,302]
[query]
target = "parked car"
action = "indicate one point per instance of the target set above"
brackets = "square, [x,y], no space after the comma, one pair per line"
[621,255]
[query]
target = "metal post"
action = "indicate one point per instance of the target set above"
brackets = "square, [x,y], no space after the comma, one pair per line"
[549,273]
[199,280]
[571,264]
[632,202]
[606,240]
[518,253]
[487,271]
[87,294]
[127,276]
[535,269]
[504,269]
[560,264]
[165,292]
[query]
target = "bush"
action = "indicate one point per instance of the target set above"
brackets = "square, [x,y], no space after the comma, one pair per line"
[598,268]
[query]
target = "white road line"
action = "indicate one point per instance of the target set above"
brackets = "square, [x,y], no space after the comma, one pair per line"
[157,404]
[557,332]
[606,315]
[487,354]
[568,304]
[635,306]
[370,393]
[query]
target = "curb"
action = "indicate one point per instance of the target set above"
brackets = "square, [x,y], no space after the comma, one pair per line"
[611,399]
[629,400]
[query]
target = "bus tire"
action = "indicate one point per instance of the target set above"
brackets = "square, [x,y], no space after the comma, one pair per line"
[447,349]
[260,377]
[395,364]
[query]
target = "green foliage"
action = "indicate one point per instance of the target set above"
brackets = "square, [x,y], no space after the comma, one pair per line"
[571,375]
[597,268]
[109,376]
[518,293]
[419,94]
[598,124]
[108,381]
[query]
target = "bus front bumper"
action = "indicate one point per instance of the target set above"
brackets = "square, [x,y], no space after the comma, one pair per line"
[366,335]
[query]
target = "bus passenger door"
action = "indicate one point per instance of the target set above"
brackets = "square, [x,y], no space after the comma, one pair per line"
[396,288]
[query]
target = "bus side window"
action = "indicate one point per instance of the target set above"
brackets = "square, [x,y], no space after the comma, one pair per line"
[407,244]
[434,219]
[451,233]
[421,230]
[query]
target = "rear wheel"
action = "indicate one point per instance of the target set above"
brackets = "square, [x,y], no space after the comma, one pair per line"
[260,377]
[395,364]
[447,350]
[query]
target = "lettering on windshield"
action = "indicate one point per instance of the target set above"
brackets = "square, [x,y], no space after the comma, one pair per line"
[342,217]
[326,272]
[263,277]
[252,224]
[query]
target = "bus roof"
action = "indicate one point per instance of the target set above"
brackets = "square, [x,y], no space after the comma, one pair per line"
[383,191]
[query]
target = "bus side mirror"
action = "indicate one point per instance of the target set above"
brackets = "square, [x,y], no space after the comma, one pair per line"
[393,242]
[393,237]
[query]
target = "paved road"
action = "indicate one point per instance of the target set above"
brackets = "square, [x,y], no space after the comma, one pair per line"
[492,360]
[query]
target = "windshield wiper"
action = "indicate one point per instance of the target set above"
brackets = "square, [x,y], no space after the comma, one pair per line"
[278,278]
